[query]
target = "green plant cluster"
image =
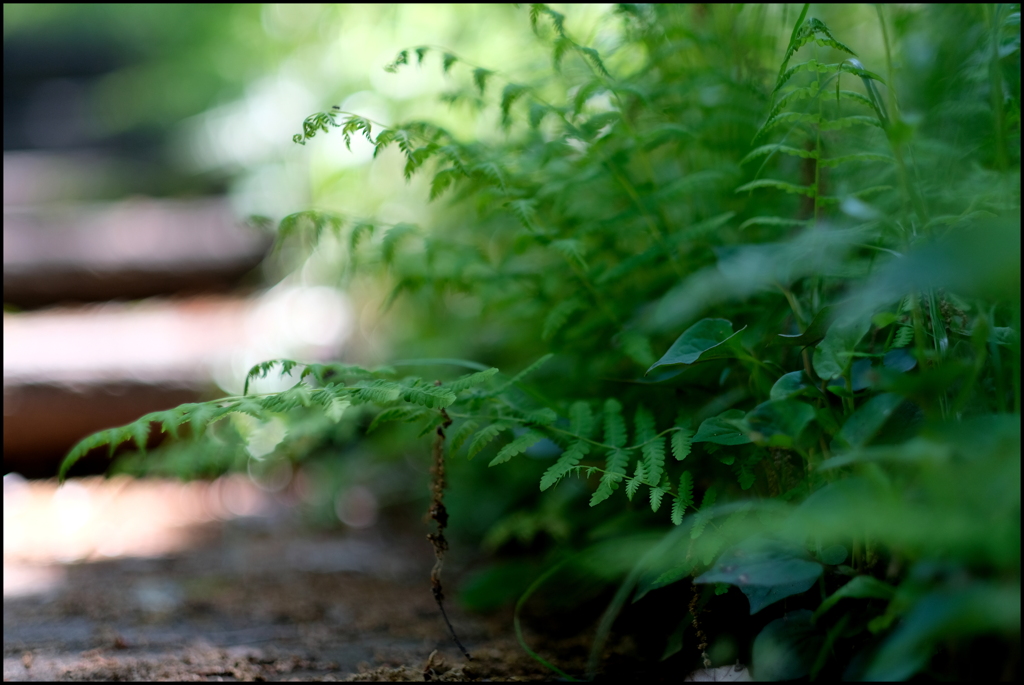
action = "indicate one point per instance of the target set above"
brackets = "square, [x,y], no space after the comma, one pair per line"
[777,302]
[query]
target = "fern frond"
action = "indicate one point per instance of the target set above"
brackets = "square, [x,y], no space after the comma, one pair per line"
[778,147]
[404,414]
[540,417]
[653,447]
[637,347]
[480,77]
[809,191]
[857,157]
[846,122]
[442,180]
[263,368]
[685,497]
[614,424]
[615,471]
[559,315]
[903,337]
[633,484]
[772,221]
[572,250]
[201,415]
[656,496]
[470,381]
[569,459]
[678,510]
[460,436]
[486,434]
[430,396]
[703,514]
[379,392]
[517,446]
[581,419]
[681,443]
[298,395]
[518,378]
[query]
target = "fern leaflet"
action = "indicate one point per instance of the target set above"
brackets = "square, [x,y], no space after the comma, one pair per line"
[566,463]
[517,446]
[615,470]
[614,425]
[681,443]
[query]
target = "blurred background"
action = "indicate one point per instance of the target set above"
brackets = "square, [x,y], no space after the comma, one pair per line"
[139,143]
[148,157]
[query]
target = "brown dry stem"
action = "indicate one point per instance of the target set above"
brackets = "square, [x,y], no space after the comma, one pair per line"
[439,514]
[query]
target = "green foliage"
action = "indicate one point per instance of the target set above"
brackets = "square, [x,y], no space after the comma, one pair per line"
[822,290]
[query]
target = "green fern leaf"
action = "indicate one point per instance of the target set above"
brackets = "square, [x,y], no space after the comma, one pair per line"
[681,443]
[703,514]
[656,495]
[566,463]
[903,337]
[846,122]
[779,148]
[434,420]
[615,471]
[595,59]
[517,446]
[485,436]
[685,498]
[404,414]
[572,250]
[525,212]
[581,419]
[678,510]
[82,448]
[336,409]
[201,415]
[540,417]
[858,157]
[431,396]
[633,484]
[461,435]
[442,180]
[559,315]
[378,392]
[524,373]
[772,221]
[470,381]
[637,347]
[447,62]
[480,76]
[809,191]
[614,424]
[653,448]
[511,93]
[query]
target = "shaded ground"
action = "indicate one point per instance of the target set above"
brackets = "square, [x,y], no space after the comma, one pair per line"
[248,598]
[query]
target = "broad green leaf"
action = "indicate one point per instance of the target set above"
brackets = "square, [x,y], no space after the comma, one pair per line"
[703,341]
[766,570]
[789,385]
[940,616]
[787,647]
[865,423]
[722,430]
[814,332]
[861,587]
[779,422]
[832,356]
